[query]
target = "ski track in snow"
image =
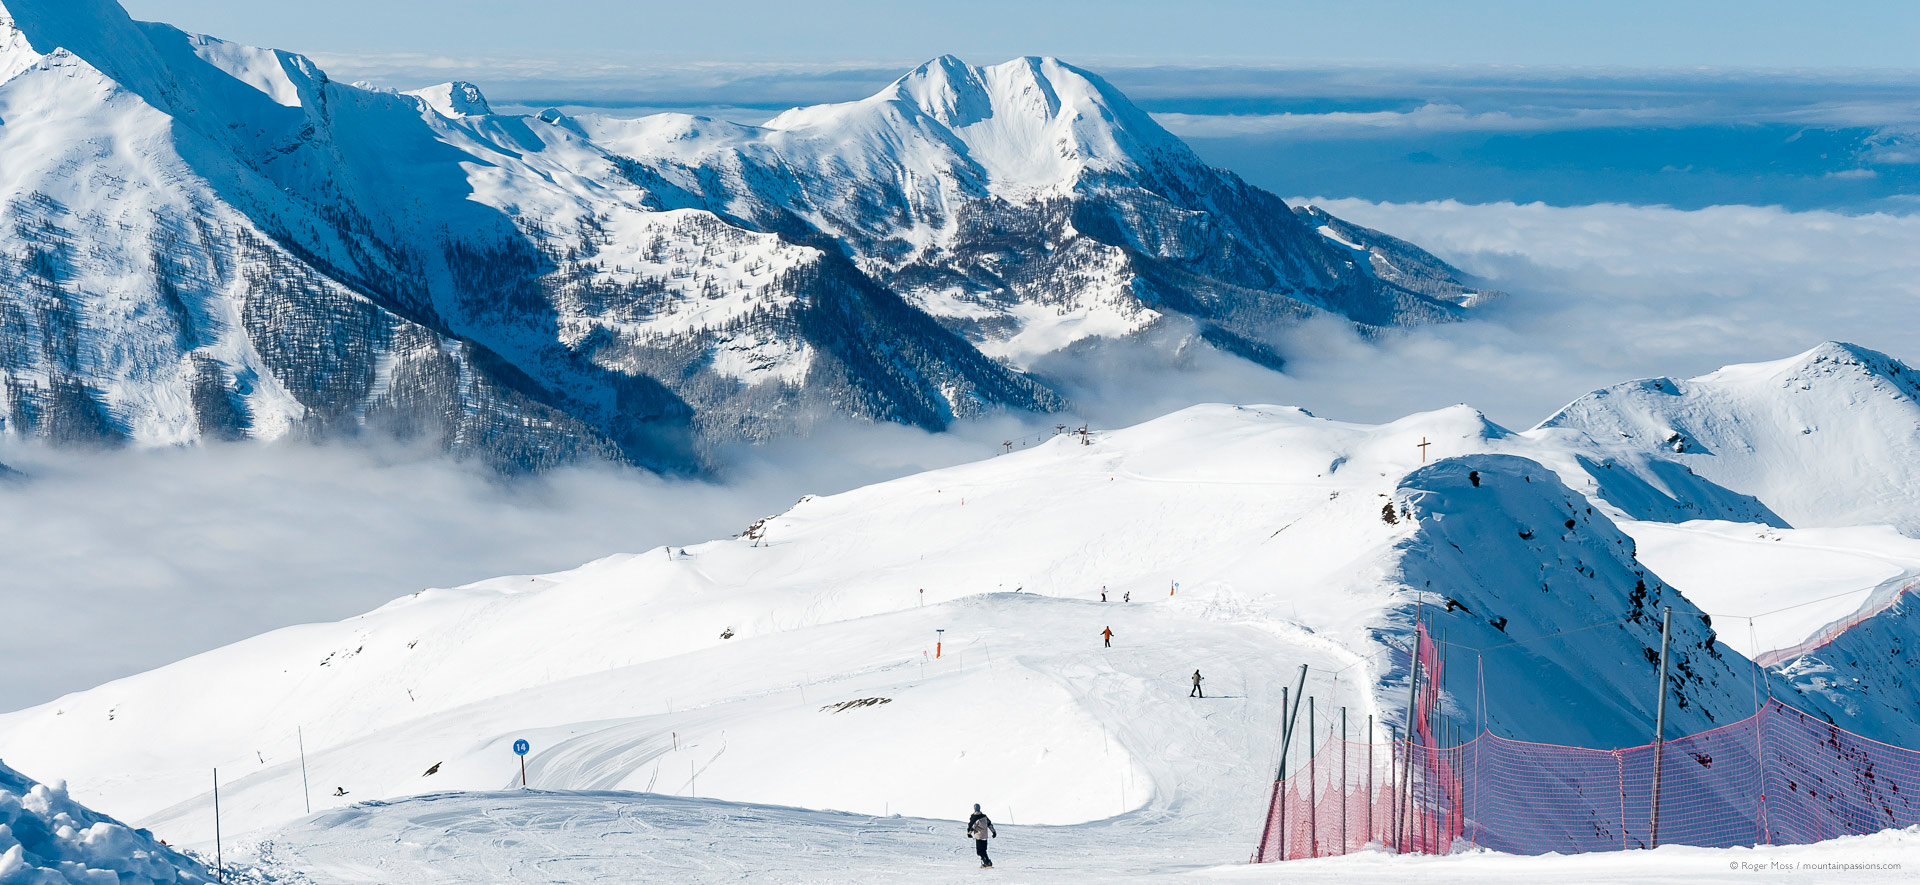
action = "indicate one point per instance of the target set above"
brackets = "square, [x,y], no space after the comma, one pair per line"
[1203,789]
[625,837]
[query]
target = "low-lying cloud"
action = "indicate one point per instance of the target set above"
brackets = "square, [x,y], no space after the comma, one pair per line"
[119,561]
[1607,293]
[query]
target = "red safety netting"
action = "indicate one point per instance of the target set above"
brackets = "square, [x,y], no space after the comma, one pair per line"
[1832,631]
[1778,777]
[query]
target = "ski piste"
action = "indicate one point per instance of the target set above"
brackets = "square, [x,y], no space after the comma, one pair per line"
[1270,519]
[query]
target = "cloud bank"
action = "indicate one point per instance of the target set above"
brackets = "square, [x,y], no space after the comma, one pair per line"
[1607,293]
[119,561]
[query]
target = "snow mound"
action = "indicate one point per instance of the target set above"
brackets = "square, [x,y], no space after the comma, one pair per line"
[47,838]
[1830,437]
[456,99]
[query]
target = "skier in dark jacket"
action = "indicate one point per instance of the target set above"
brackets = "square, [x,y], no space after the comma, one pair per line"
[1197,690]
[981,829]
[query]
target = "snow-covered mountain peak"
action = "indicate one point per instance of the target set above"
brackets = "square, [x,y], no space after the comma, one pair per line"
[98,31]
[456,99]
[1832,360]
[16,54]
[946,89]
[1827,437]
[1031,122]
[1837,365]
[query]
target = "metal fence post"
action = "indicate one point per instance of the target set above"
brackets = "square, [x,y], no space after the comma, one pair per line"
[1659,726]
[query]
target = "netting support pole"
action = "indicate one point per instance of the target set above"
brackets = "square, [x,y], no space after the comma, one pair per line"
[1659,725]
[1266,831]
[1620,769]
[1480,694]
[1287,718]
[1392,835]
[1477,744]
[219,862]
[1759,729]
[1370,778]
[306,793]
[1313,787]
[1280,778]
[1345,846]
[1404,826]
[1442,789]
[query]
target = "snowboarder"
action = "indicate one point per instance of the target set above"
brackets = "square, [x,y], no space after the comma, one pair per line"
[1196,686]
[1108,635]
[981,829]
[1103,593]
[1127,596]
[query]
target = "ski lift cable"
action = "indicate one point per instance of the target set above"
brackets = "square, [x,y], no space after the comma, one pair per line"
[1793,606]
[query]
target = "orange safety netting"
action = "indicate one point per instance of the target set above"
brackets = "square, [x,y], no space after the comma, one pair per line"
[1780,776]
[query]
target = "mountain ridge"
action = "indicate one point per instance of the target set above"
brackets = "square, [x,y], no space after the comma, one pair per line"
[1825,437]
[281,253]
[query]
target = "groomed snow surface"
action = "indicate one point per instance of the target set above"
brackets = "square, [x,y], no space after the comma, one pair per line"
[622,837]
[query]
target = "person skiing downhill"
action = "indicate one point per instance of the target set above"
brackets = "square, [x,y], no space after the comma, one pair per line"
[981,829]
[1197,690]
[1108,635]
[1103,594]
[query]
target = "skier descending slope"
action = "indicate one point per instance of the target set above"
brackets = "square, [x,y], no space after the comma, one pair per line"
[1197,690]
[1107,634]
[981,829]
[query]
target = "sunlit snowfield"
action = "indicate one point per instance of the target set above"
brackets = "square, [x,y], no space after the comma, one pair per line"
[588,837]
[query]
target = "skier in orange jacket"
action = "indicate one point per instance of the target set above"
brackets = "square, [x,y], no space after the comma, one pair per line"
[1108,635]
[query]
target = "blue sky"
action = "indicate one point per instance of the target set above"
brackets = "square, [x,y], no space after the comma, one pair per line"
[1685,104]
[1768,33]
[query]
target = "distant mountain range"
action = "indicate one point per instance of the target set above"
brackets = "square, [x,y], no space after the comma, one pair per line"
[210,240]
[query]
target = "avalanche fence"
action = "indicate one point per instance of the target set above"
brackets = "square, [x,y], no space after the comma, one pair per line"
[1780,776]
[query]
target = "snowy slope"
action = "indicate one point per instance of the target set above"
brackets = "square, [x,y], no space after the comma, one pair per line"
[1830,437]
[1790,583]
[1270,520]
[1398,261]
[623,837]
